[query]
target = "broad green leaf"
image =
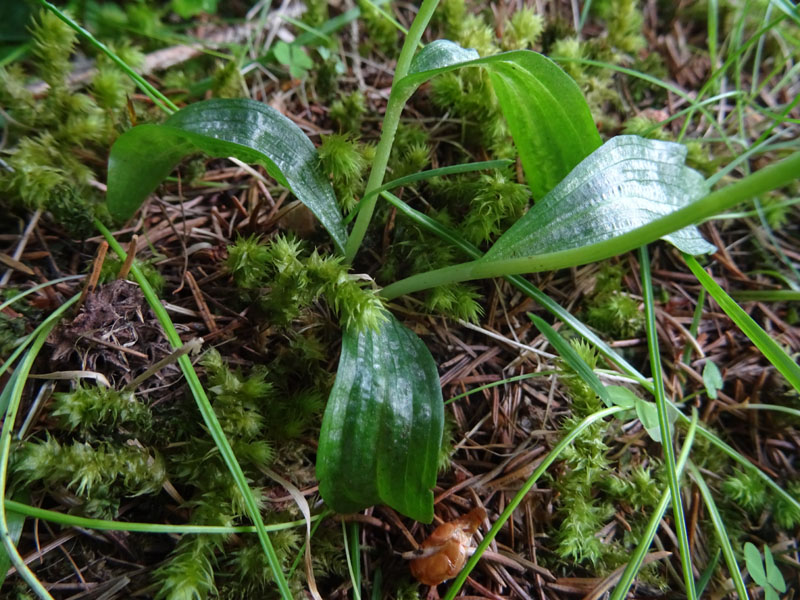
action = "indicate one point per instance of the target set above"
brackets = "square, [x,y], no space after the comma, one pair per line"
[383,425]
[774,575]
[755,566]
[572,358]
[245,129]
[546,113]
[712,379]
[626,183]
[621,396]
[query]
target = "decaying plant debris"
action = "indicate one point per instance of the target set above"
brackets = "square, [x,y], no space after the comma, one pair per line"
[246,269]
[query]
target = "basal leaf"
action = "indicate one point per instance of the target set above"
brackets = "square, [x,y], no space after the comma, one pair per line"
[626,183]
[383,425]
[245,129]
[546,113]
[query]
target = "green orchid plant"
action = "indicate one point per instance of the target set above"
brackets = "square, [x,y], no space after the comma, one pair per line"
[383,424]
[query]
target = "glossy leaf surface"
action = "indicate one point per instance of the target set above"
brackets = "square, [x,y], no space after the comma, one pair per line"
[382,427]
[546,113]
[248,130]
[625,184]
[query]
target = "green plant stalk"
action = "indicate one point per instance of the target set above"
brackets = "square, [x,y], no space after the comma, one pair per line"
[15,54]
[157,97]
[768,347]
[528,288]
[207,412]
[766,295]
[742,461]
[523,285]
[503,382]
[696,318]
[38,287]
[773,407]
[705,576]
[53,516]
[352,568]
[394,108]
[713,32]
[722,534]
[663,423]
[520,496]
[766,179]
[635,563]
[385,14]
[17,384]
[680,113]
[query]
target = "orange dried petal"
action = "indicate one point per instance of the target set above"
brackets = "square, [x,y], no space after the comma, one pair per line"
[452,542]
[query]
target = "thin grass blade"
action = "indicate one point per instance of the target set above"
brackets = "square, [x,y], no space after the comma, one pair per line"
[768,347]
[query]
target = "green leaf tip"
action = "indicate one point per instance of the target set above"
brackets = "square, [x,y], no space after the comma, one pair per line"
[242,128]
[440,54]
[383,425]
[547,115]
[626,183]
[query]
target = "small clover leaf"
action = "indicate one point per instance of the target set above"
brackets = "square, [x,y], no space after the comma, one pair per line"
[764,574]
[293,57]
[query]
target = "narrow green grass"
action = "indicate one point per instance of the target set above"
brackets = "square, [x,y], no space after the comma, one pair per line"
[664,423]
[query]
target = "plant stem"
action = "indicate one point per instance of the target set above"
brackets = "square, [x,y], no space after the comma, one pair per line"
[157,97]
[106,525]
[766,179]
[394,108]
[664,424]
[783,362]
[722,533]
[635,563]
[208,414]
[13,391]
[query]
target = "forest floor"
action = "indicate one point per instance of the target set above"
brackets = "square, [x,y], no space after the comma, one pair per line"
[107,428]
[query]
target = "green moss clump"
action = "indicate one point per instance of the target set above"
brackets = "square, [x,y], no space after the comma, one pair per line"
[611,310]
[93,409]
[381,33]
[348,111]
[346,161]
[293,280]
[522,30]
[102,472]
[53,139]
